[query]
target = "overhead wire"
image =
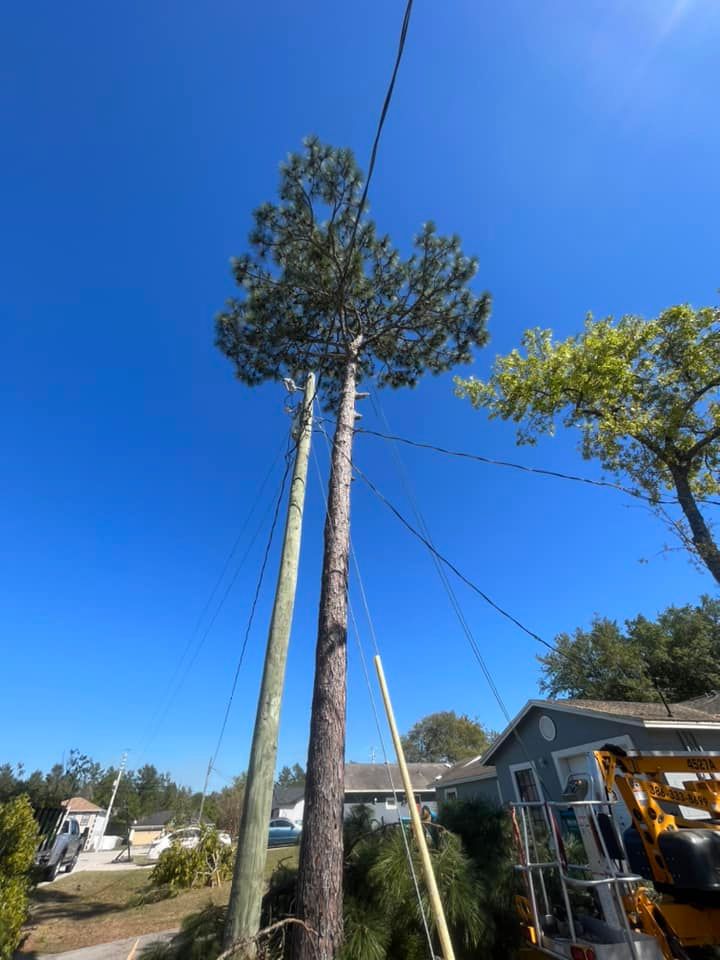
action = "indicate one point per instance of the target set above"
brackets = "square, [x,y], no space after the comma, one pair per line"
[180,675]
[452,596]
[555,474]
[378,132]
[425,538]
[253,606]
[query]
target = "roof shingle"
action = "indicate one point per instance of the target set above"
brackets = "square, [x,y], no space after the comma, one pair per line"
[81,805]
[641,711]
[361,777]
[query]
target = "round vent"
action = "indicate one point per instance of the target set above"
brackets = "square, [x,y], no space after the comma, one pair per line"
[547,728]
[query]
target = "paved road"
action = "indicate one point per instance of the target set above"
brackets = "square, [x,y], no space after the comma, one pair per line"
[117,950]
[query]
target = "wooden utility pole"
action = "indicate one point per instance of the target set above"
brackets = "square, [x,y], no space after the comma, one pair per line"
[430,882]
[243,916]
[106,821]
[204,793]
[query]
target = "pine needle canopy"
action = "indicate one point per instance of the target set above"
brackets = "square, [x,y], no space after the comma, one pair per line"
[320,286]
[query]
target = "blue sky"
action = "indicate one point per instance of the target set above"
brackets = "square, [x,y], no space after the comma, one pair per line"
[575,149]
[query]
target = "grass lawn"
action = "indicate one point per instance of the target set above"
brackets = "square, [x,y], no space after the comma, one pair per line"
[86,908]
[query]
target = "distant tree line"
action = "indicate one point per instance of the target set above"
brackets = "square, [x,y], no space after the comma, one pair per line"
[141,792]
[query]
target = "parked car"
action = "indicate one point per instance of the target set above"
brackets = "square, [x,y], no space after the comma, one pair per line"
[284,832]
[188,838]
[60,851]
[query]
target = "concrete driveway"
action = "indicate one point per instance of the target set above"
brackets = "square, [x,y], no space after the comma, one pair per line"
[101,860]
[104,860]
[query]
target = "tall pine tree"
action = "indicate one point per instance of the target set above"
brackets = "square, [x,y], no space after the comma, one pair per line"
[323,291]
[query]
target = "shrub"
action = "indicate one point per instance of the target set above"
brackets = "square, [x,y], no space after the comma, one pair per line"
[486,834]
[18,839]
[206,865]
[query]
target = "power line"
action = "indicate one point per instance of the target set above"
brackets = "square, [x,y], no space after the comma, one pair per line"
[378,132]
[556,474]
[253,606]
[566,654]
[173,689]
[228,561]
[442,574]
[448,563]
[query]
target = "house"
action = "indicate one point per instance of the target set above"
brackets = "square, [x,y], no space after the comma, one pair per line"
[469,779]
[147,829]
[709,703]
[550,739]
[372,784]
[90,818]
[288,802]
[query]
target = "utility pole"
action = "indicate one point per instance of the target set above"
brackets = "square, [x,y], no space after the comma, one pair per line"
[243,916]
[204,793]
[121,770]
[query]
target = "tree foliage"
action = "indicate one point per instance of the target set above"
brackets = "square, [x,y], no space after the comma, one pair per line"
[383,920]
[486,834]
[676,655]
[18,837]
[206,865]
[291,776]
[445,737]
[141,792]
[313,296]
[645,395]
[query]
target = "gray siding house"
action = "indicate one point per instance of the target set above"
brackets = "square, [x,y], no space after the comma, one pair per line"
[370,783]
[550,739]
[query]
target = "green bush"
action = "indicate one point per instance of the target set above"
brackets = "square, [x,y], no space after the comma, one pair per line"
[206,865]
[383,919]
[18,839]
[486,834]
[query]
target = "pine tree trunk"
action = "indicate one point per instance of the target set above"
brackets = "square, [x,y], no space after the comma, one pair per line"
[701,536]
[319,892]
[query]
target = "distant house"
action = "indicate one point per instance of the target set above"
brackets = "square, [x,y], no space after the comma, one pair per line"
[370,784]
[288,802]
[147,829]
[373,783]
[90,818]
[469,779]
[550,739]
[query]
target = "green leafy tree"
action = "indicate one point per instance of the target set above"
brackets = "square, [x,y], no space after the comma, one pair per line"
[291,776]
[224,807]
[18,835]
[676,656]
[645,395]
[445,737]
[323,291]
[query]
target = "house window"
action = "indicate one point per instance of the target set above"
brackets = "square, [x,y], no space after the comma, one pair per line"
[526,784]
[390,804]
[451,794]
